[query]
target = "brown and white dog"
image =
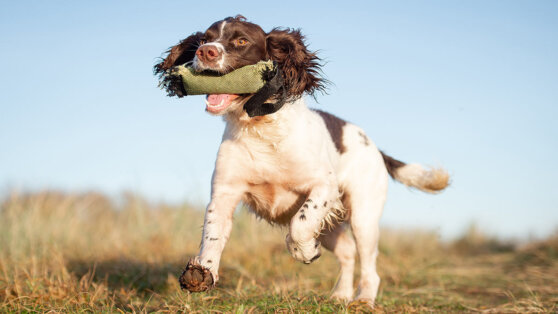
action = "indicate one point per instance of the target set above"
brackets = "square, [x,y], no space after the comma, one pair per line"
[298,167]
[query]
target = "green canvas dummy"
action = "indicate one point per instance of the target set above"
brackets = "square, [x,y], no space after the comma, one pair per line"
[246,80]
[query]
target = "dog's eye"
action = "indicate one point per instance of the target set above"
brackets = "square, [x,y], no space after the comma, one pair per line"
[240,42]
[202,41]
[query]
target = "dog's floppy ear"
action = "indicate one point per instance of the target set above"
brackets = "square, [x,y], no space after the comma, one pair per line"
[300,67]
[184,52]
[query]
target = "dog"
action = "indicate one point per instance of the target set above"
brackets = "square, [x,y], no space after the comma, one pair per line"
[292,166]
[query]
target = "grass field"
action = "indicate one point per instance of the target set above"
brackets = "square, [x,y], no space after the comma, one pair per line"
[85,253]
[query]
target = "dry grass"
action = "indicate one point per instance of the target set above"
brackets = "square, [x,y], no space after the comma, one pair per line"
[84,253]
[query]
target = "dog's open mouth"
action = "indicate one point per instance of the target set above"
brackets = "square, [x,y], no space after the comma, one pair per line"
[217,103]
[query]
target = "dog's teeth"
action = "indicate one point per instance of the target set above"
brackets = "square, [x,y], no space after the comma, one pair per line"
[222,102]
[207,103]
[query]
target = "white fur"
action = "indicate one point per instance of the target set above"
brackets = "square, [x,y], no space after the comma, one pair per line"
[221,30]
[414,175]
[291,153]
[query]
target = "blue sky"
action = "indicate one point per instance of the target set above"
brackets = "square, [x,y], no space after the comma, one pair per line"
[470,85]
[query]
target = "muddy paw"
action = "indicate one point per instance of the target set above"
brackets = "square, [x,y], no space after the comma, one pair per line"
[196,278]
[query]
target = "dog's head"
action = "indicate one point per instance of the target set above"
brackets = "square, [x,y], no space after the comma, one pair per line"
[233,43]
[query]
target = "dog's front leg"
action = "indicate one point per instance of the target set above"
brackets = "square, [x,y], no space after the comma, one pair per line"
[202,271]
[322,205]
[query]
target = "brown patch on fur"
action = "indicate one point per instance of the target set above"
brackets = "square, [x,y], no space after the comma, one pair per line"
[264,191]
[259,120]
[335,128]
[392,164]
[183,52]
[300,66]
[282,217]
[237,56]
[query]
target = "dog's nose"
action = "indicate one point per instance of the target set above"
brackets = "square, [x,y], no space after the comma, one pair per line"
[207,53]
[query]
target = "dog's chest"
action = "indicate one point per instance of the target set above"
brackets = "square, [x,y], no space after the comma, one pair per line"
[274,202]
[275,180]
[276,160]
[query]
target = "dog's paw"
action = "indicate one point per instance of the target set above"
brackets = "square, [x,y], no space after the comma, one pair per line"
[306,252]
[196,277]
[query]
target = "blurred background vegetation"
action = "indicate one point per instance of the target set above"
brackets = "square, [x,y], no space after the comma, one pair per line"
[87,252]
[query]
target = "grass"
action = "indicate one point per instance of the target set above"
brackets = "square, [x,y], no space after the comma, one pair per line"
[86,253]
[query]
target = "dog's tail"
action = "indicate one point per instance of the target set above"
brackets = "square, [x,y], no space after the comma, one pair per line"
[414,175]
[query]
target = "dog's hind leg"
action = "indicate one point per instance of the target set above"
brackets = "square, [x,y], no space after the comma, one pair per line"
[364,182]
[366,209]
[343,246]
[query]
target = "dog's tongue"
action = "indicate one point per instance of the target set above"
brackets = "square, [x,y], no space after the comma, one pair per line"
[216,99]
[219,102]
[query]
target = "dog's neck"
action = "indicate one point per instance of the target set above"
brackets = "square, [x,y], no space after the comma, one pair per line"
[272,127]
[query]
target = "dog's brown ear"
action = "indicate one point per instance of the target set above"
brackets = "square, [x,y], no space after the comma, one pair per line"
[301,68]
[184,52]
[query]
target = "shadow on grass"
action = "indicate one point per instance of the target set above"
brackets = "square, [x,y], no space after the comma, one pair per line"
[140,276]
[124,273]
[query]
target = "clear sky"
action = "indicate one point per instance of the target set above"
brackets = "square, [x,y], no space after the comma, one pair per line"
[470,85]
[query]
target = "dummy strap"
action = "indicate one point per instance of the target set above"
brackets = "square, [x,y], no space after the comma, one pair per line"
[256,106]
